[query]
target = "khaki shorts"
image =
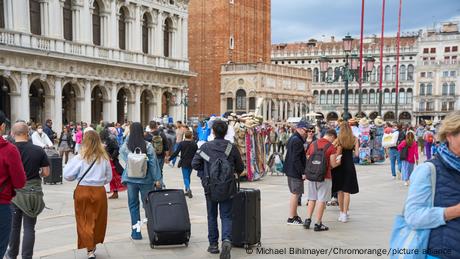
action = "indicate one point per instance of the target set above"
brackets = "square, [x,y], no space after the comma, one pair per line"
[295,185]
[319,191]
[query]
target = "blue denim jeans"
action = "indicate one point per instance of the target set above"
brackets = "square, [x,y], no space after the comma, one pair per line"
[225,209]
[5,227]
[428,150]
[407,169]
[394,157]
[186,172]
[161,163]
[174,150]
[133,199]
[19,219]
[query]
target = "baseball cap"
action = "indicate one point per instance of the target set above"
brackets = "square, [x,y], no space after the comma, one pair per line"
[3,118]
[302,125]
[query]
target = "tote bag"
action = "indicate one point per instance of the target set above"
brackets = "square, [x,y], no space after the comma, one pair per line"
[390,139]
[404,239]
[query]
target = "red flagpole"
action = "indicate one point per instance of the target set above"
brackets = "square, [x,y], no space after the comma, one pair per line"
[382,39]
[360,79]
[398,39]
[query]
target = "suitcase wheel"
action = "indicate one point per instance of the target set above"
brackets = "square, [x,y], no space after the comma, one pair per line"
[246,246]
[152,246]
[186,244]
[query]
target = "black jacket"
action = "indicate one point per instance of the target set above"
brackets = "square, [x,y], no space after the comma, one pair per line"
[69,140]
[149,137]
[294,164]
[187,150]
[214,149]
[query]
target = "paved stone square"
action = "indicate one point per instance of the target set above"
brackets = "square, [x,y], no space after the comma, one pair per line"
[372,212]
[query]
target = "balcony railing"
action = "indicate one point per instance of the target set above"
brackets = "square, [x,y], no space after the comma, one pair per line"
[24,40]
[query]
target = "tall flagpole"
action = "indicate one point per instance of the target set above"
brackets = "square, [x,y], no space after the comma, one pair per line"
[398,39]
[382,39]
[360,78]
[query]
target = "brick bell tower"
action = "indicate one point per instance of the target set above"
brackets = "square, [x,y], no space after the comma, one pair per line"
[223,31]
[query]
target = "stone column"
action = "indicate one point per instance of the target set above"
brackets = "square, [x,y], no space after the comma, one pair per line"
[76,23]
[86,107]
[24,113]
[113,102]
[282,110]
[151,44]
[44,13]
[269,114]
[159,35]
[137,99]
[136,30]
[158,98]
[184,37]
[58,105]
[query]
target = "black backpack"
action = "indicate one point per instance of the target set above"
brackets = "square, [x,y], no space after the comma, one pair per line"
[404,153]
[220,184]
[316,167]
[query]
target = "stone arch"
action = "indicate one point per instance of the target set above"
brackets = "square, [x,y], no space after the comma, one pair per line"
[360,115]
[124,97]
[5,95]
[167,102]
[405,116]
[241,100]
[373,115]
[99,95]
[332,116]
[389,116]
[45,81]
[37,100]
[147,105]
[70,94]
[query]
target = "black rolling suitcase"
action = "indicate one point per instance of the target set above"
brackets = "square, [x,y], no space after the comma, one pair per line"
[246,229]
[168,221]
[55,167]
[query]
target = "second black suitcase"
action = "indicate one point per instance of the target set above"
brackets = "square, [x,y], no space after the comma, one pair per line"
[55,169]
[168,221]
[246,227]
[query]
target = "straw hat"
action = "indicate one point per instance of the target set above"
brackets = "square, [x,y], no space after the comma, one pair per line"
[364,122]
[378,121]
[352,121]
[428,122]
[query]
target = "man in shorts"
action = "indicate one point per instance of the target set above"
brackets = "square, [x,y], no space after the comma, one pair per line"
[294,166]
[320,192]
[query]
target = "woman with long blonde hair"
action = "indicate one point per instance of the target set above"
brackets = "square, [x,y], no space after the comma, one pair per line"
[92,169]
[344,180]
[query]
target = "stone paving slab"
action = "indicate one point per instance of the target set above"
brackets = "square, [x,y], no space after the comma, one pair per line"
[372,213]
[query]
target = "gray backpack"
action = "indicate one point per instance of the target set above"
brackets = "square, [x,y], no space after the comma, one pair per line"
[137,164]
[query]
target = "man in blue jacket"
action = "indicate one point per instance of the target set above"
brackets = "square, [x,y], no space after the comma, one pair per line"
[294,167]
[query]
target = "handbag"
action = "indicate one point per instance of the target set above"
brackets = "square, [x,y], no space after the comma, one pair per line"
[137,164]
[87,170]
[390,139]
[405,239]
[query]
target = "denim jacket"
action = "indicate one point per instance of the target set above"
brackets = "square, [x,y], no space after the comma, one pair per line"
[153,168]
[419,212]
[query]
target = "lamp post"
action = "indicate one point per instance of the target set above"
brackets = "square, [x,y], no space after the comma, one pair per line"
[349,69]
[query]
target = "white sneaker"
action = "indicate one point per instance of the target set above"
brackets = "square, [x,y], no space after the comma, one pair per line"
[406,184]
[343,217]
[394,177]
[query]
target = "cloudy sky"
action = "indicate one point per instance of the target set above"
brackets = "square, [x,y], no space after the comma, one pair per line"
[300,20]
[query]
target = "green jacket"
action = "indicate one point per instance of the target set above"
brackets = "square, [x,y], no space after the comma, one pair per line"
[30,198]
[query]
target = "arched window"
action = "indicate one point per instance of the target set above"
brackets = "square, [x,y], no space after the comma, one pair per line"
[374,74]
[316,96]
[393,74]
[330,73]
[402,73]
[240,99]
[409,96]
[452,88]
[393,95]
[252,103]
[429,89]
[337,74]
[356,97]
[372,96]
[35,17]
[122,28]
[342,97]
[350,96]
[145,33]
[322,98]
[167,44]
[402,96]
[67,20]
[329,97]
[422,89]
[96,24]
[2,15]
[410,72]
[387,73]
[378,74]
[365,97]
[386,96]
[315,74]
[336,97]
[445,89]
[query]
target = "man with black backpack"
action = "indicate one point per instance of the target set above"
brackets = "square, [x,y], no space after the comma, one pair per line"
[159,142]
[217,162]
[321,158]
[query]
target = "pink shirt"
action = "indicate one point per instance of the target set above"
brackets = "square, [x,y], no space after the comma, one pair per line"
[78,137]
[412,154]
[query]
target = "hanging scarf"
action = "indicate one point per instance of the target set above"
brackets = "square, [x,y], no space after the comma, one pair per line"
[450,158]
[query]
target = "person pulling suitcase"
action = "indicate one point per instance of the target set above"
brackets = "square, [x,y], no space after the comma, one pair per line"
[217,162]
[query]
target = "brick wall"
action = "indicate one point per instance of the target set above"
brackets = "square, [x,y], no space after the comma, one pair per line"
[211,23]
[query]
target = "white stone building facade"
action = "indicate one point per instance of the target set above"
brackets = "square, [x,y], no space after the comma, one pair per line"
[274,92]
[437,85]
[91,60]
[329,97]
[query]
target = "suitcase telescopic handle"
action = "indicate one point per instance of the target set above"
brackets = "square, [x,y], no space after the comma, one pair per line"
[237,176]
